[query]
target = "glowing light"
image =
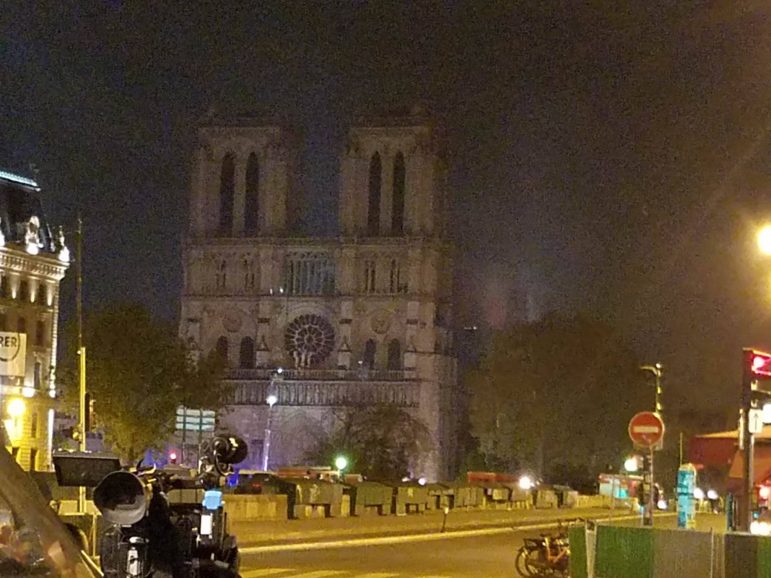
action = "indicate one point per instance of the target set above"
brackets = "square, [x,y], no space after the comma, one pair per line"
[662,504]
[341,462]
[631,465]
[173,456]
[271,399]
[764,240]
[760,528]
[698,493]
[16,407]
[712,494]
[526,483]
[280,370]
[18,179]
[764,492]
[422,481]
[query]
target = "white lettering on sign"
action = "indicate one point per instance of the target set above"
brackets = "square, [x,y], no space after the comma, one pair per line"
[643,429]
[13,354]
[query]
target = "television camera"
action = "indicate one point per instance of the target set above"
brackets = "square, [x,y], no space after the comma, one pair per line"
[149,535]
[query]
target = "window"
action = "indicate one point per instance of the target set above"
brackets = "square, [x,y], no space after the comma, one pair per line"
[252,200]
[397,209]
[23,294]
[33,459]
[249,276]
[369,354]
[222,348]
[21,324]
[375,181]
[370,278]
[221,275]
[38,374]
[227,192]
[246,357]
[395,280]
[40,333]
[3,322]
[310,274]
[394,355]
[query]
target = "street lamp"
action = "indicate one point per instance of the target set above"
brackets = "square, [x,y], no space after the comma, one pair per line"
[271,399]
[341,462]
[764,240]
[657,370]
[631,464]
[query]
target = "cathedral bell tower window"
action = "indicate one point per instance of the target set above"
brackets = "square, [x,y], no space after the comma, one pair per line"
[227,193]
[373,209]
[397,209]
[252,200]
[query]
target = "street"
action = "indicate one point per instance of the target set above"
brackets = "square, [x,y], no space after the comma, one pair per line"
[475,554]
[487,556]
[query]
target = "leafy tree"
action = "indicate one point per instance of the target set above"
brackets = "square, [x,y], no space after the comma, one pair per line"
[380,442]
[138,371]
[555,395]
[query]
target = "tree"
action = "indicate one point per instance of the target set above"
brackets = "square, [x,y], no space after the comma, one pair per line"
[555,395]
[379,442]
[138,372]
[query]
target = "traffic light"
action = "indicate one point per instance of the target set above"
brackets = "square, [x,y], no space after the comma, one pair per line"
[757,364]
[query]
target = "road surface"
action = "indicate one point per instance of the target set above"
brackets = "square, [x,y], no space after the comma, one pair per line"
[474,554]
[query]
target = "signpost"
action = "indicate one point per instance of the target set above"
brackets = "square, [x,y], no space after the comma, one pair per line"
[646,430]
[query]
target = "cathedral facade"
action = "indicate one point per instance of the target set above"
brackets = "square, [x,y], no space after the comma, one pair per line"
[324,324]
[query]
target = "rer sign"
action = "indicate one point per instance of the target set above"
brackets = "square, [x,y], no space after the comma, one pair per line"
[13,354]
[646,429]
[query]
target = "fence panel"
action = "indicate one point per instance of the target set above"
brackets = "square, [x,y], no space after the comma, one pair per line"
[682,554]
[741,556]
[577,537]
[624,552]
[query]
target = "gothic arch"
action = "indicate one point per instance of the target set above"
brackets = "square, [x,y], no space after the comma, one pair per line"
[252,198]
[397,208]
[246,354]
[370,349]
[373,207]
[227,193]
[222,348]
[394,355]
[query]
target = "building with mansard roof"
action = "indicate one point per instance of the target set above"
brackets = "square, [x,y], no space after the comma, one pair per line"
[33,261]
[363,318]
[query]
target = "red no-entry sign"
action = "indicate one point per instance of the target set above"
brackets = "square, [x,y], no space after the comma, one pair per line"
[646,429]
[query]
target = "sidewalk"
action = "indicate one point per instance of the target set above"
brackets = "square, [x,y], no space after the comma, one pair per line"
[329,529]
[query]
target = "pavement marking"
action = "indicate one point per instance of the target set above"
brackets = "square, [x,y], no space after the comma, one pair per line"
[378,575]
[385,540]
[265,572]
[321,574]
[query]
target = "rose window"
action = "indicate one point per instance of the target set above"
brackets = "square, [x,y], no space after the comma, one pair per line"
[309,340]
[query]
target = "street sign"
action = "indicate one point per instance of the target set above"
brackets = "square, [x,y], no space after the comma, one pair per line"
[646,429]
[195,419]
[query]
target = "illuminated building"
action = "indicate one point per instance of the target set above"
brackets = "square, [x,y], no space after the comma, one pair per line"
[33,261]
[359,319]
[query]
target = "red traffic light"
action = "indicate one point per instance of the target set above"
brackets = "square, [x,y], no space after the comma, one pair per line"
[760,363]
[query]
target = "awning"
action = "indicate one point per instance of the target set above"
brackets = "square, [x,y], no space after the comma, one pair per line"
[762,464]
[718,449]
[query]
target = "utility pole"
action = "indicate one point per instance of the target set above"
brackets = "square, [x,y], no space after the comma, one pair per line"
[648,479]
[82,446]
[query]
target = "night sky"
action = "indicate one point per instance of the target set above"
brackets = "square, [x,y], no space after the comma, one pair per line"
[612,159]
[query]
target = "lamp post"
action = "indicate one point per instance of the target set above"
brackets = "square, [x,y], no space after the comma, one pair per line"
[271,399]
[657,370]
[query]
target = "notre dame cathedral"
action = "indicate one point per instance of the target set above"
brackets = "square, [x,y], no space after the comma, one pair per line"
[362,318]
